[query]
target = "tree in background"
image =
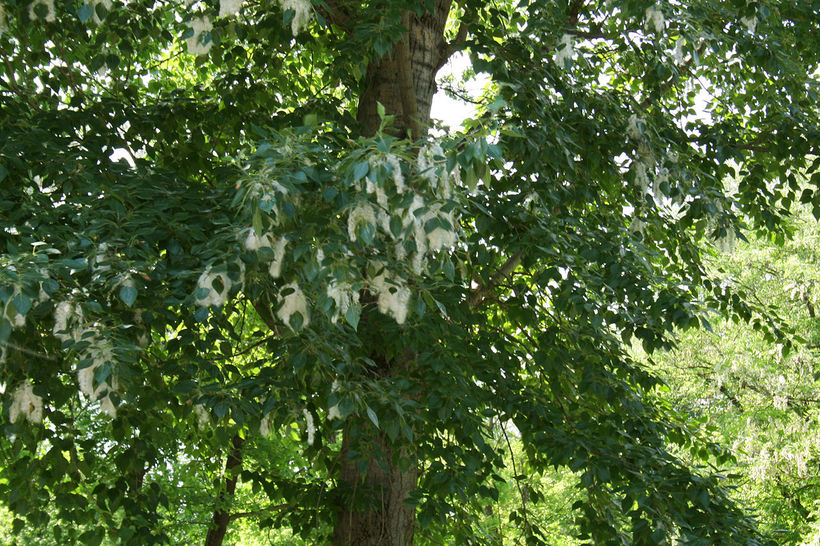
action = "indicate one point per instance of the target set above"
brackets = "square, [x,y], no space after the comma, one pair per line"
[292,296]
[757,399]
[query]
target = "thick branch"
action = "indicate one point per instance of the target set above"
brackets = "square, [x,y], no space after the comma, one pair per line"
[574,12]
[335,14]
[449,48]
[221,517]
[483,291]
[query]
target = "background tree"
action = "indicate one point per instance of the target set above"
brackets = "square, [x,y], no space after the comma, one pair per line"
[287,252]
[753,397]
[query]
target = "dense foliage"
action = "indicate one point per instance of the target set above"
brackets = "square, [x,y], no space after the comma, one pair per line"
[753,396]
[288,297]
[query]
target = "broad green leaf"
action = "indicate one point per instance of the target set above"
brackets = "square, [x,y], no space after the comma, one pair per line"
[128,294]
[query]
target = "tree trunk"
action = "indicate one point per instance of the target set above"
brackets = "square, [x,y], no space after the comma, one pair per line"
[404,83]
[221,517]
[388,78]
[386,520]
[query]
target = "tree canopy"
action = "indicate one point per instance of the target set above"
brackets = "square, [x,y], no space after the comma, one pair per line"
[750,395]
[238,254]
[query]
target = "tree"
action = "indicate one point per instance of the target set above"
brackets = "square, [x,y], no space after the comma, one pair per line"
[756,400]
[287,250]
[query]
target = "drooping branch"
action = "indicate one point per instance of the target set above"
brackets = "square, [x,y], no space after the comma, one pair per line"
[483,291]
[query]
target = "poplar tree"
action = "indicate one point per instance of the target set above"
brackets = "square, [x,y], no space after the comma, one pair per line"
[231,228]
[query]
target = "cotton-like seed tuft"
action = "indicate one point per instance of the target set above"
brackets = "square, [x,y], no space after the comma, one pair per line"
[565,50]
[215,297]
[655,19]
[104,3]
[203,418]
[33,11]
[255,242]
[26,404]
[344,296]
[393,295]
[334,413]
[309,426]
[199,43]
[301,14]
[292,303]
[361,214]
[66,313]
[100,352]
[634,128]
[750,22]
[264,426]
[275,269]
[229,7]
[398,177]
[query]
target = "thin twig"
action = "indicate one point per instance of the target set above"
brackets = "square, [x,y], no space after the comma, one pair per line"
[15,88]
[271,508]
[515,469]
[458,94]
[246,349]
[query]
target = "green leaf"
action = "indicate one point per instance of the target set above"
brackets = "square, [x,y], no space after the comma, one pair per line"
[352,316]
[449,271]
[92,537]
[22,303]
[360,169]
[392,429]
[297,321]
[201,314]
[128,294]
[311,120]
[258,227]
[396,225]
[85,12]
[298,362]
[441,308]
[329,194]
[5,332]
[221,409]
[367,232]
[372,416]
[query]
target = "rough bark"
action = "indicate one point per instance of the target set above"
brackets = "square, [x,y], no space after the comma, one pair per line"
[221,517]
[387,520]
[374,512]
[424,43]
